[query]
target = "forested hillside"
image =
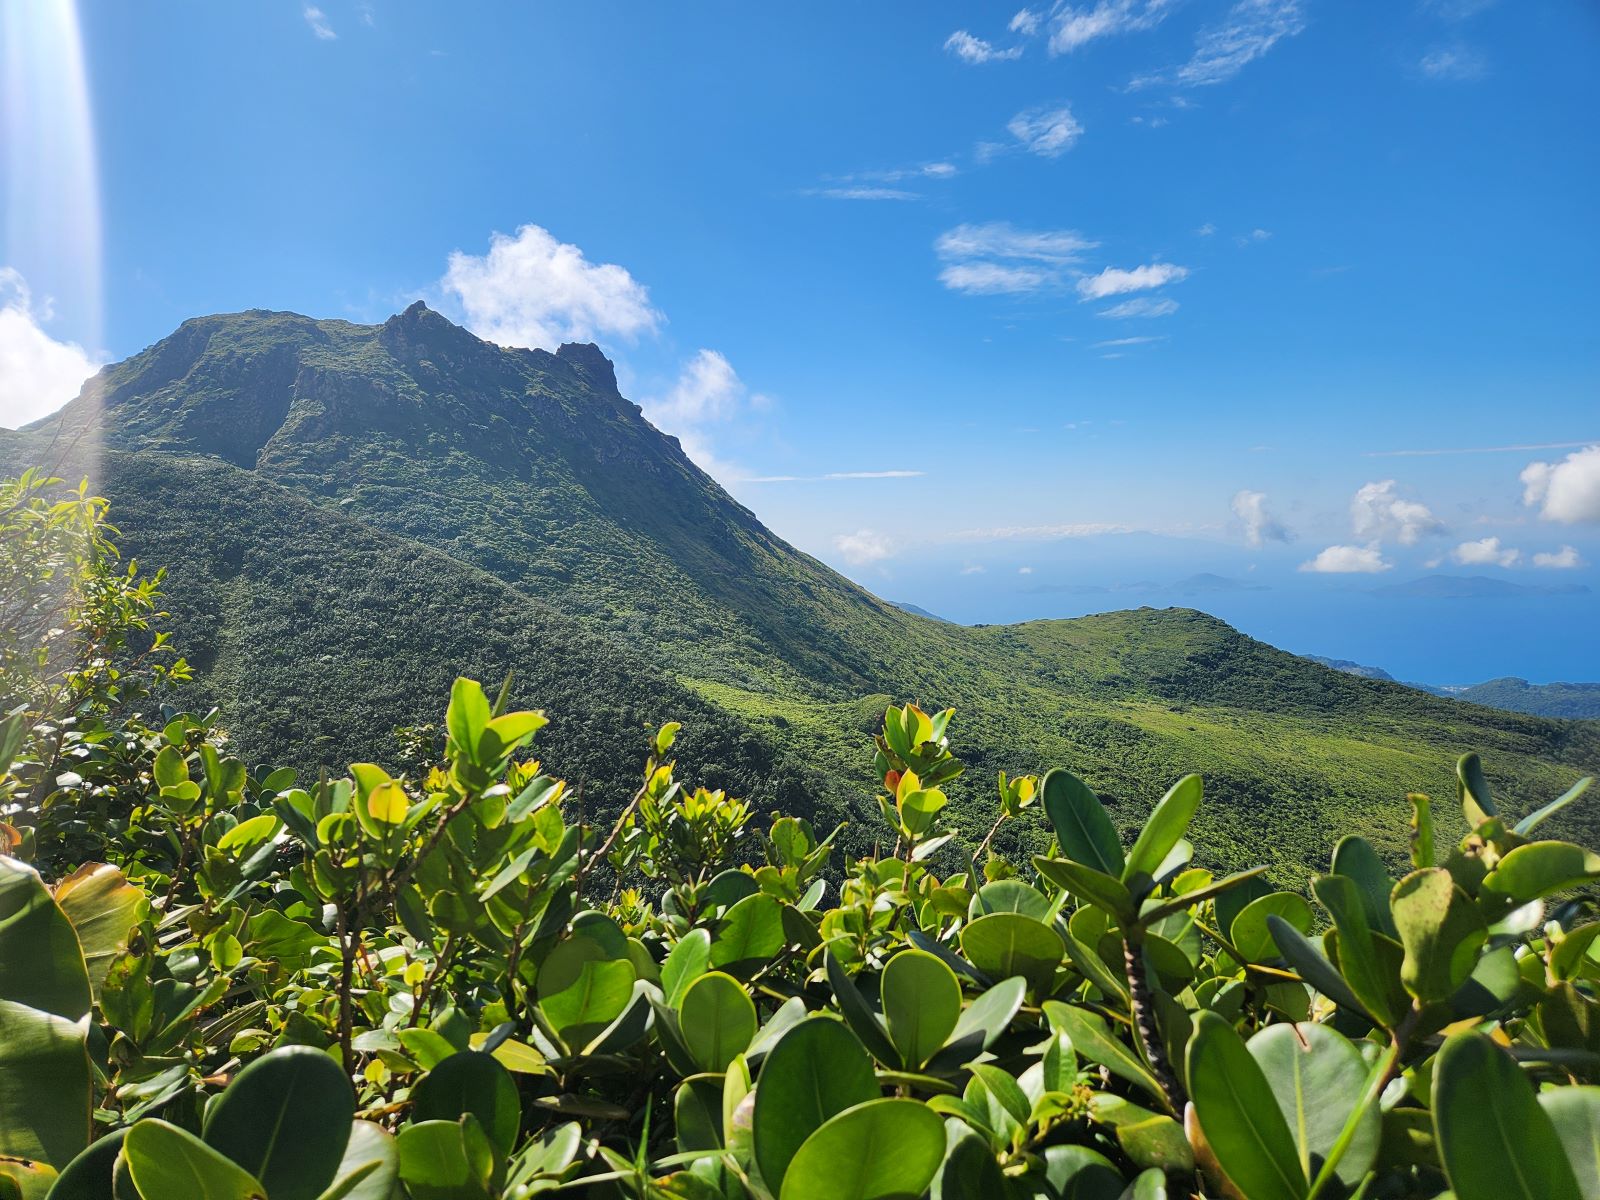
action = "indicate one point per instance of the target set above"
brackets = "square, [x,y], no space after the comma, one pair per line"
[352,515]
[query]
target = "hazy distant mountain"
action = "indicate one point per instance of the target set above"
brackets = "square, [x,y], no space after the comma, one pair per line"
[1572,701]
[1207,582]
[916,611]
[1353,668]
[353,513]
[1468,587]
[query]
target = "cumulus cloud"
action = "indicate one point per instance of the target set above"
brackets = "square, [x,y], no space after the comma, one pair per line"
[1348,560]
[1114,281]
[998,258]
[1378,511]
[1567,491]
[1485,552]
[1260,526]
[38,374]
[532,290]
[1075,26]
[863,547]
[1141,306]
[1047,132]
[1564,559]
[1250,29]
[976,50]
[318,21]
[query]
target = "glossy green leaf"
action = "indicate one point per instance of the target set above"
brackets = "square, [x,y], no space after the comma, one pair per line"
[717,1020]
[1005,944]
[1537,818]
[1358,956]
[90,1175]
[471,1081]
[859,1015]
[1575,1113]
[1495,1140]
[1149,1139]
[817,1070]
[583,987]
[1090,885]
[1240,1115]
[1441,930]
[370,1166]
[1082,825]
[880,1150]
[1313,966]
[921,1004]
[1356,860]
[1540,868]
[103,907]
[1252,936]
[1091,1038]
[687,962]
[750,932]
[1473,791]
[285,1119]
[1163,829]
[1318,1077]
[166,1161]
[446,1160]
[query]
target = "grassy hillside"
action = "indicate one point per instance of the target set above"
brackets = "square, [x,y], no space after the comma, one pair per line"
[349,511]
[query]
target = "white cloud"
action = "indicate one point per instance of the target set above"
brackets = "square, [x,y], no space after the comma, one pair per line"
[833,475]
[1040,533]
[1072,27]
[1567,491]
[531,290]
[37,373]
[1260,526]
[1251,28]
[1130,341]
[999,259]
[973,570]
[1564,559]
[865,193]
[975,50]
[1114,281]
[1024,570]
[1379,511]
[1026,23]
[1472,450]
[318,20]
[1206,230]
[1141,306]
[1453,63]
[1485,552]
[1048,132]
[1348,560]
[938,170]
[863,547]
[708,389]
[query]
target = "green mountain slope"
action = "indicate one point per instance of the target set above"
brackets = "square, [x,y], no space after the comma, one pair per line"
[318,448]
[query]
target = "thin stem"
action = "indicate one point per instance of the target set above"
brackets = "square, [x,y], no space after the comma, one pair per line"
[1144,1025]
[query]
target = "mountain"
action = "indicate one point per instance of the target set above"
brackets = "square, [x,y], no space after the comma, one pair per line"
[916,611]
[1353,668]
[1474,587]
[1569,701]
[351,514]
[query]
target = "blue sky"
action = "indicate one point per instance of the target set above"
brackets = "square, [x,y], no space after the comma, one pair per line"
[1005,313]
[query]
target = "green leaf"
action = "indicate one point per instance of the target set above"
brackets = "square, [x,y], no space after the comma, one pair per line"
[22,1179]
[880,1150]
[921,1003]
[1441,930]
[1239,1114]
[1093,1040]
[1358,957]
[1005,944]
[750,932]
[1318,1077]
[718,1019]
[285,1119]
[1357,861]
[1537,818]
[89,1176]
[1473,791]
[1081,822]
[467,717]
[44,1006]
[471,1081]
[686,963]
[991,1012]
[103,907]
[817,1070]
[1252,936]
[1313,966]
[446,1160]
[1495,1141]
[1105,892]
[167,1161]
[370,1150]
[583,987]
[1164,828]
[1575,1113]
[858,1013]
[1540,868]
[1149,1139]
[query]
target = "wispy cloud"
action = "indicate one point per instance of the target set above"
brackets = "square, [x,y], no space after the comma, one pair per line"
[708,392]
[318,21]
[863,547]
[865,193]
[1486,552]
[973,569]
[1455,63]
[1567,491]
[1115,281]
[831,475]
[1348,560]
[38,374]
[1075,26]
[1206,230]
[1260,526]
[1141,306]
[1047,132]
[1250,29]
[1564,559]
[1475,450]
[976,50]
[1130,341]
[1378,511]
[1025,23]
[1000,259]
[1040,533]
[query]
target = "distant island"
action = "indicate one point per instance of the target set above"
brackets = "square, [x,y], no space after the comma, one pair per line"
[1574,701]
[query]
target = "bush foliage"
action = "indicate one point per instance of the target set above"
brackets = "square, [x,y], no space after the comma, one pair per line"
[451,982]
